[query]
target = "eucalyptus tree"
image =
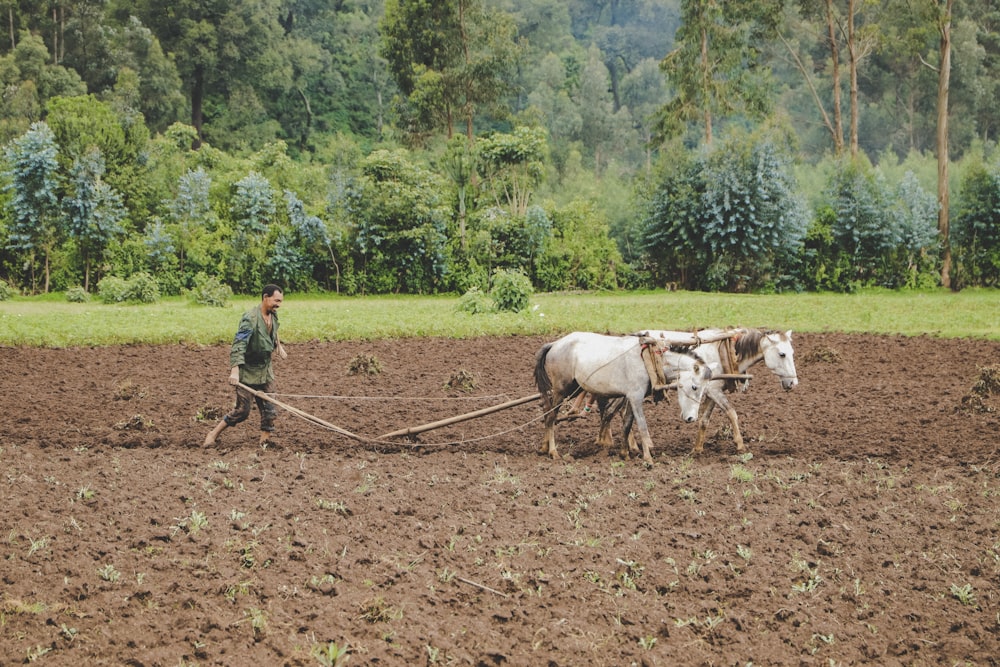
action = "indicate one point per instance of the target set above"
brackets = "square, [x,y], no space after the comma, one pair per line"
[252,209]
[94,210]
[597,109]
[728,217]
[191,215]
[37,224]
[715,68]
[976,229]
[302,249]
[885,234]
[551,102]
[452,59]
[642,92]
[81,123]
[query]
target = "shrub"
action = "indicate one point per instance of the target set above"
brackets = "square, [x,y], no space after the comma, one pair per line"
[77,295]
[112,289]
[511,291]
[6,291]
[475,302]
[975,231]
[210,291]
[141,287]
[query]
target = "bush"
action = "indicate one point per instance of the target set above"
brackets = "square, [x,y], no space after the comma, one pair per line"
[77,295]
[6,291]
[141,287]
[112,289]
[511,291]
[475,302]
[210,291]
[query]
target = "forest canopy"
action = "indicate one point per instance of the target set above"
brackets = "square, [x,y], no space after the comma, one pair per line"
[372,146]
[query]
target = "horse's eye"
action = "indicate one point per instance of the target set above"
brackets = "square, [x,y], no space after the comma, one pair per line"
[783,355]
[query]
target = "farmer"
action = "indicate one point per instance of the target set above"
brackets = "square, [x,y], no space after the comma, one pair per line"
[250,362]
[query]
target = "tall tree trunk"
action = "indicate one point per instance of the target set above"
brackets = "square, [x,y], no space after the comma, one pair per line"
[10,21]
[838,117]
[55,42]
[706,86]
[852,49]
[944,76]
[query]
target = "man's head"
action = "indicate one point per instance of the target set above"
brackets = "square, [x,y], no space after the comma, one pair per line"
[271,298]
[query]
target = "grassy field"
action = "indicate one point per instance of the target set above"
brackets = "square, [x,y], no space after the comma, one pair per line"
[50,321]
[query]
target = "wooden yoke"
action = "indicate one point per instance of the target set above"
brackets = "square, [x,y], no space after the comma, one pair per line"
[730,365]
[651,353]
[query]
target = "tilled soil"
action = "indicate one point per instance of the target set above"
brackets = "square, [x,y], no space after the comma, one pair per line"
[864,529]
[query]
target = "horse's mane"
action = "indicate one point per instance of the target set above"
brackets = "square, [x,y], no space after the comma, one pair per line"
[748,343]
[687,351]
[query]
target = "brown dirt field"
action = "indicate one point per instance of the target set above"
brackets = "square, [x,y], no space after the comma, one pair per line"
[863,531]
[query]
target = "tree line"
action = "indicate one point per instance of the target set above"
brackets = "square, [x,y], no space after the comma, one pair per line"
[409,146]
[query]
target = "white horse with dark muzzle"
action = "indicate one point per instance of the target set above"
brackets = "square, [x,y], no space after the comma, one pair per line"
[612,367]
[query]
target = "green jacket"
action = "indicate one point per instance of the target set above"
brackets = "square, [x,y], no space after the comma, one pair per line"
[253,346]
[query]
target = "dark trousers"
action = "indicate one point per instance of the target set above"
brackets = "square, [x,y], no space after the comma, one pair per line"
[244,402]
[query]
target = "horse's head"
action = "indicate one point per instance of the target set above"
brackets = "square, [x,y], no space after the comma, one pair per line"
[780,357]
[691,376]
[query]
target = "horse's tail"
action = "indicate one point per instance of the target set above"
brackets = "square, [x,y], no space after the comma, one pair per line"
[542,379]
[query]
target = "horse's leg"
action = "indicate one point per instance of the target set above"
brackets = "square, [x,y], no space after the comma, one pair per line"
[629,447]
[551,404]
[734,421]
[712,396]
[607,410]
[635,403]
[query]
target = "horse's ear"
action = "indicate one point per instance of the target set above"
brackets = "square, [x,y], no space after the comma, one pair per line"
[788,334]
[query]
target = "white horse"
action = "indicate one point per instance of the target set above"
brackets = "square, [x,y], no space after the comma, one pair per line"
[610,367]
[749,347]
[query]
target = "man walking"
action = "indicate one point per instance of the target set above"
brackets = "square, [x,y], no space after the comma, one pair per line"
[250,364]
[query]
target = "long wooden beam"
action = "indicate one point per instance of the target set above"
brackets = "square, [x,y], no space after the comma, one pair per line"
[461,418]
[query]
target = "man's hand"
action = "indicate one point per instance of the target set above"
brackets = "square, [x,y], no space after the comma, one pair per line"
[234,375]
[281,351]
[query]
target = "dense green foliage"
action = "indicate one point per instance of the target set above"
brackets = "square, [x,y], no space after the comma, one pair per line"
[385,146]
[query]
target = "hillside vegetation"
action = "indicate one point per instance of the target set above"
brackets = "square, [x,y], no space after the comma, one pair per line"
[398,146]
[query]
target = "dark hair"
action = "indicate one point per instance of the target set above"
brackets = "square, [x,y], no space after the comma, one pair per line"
[269,290]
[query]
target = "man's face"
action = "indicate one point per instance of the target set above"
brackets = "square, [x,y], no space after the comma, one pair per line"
[273,302]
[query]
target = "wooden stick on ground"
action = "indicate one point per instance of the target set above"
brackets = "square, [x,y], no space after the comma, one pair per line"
[485,588]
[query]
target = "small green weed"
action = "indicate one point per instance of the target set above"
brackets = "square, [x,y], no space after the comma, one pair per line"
[330,654]
[964,594]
